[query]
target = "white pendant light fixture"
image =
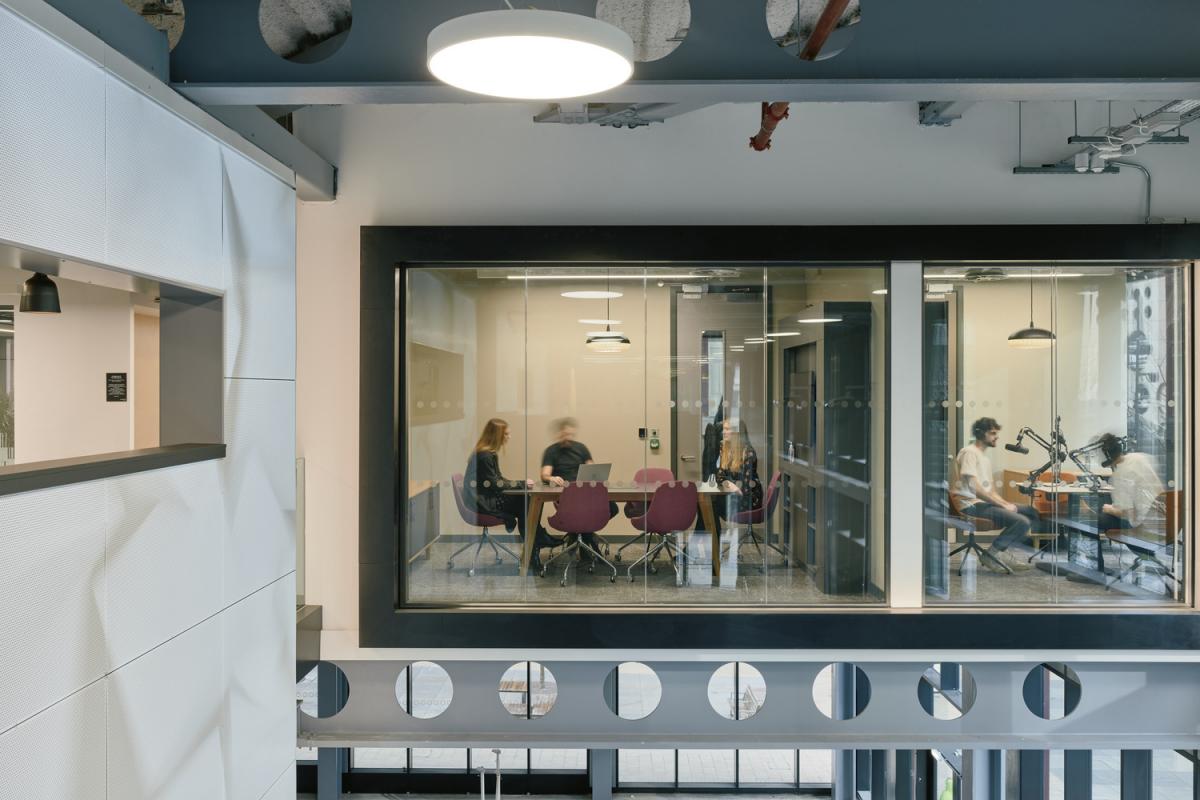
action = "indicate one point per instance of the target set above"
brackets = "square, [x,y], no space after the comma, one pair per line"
[530,54]
[1031,338]
[607,340]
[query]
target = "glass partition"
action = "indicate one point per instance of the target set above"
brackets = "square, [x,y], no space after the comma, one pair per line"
[630,435]
[1056,402]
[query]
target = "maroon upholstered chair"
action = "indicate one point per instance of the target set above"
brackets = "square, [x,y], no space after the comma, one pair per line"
[649,477]
[672,509]
[478,520]
[760,516]
[582,508]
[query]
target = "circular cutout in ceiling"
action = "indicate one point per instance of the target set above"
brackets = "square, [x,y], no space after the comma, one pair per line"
[801,27]
[304,31]
[657,27]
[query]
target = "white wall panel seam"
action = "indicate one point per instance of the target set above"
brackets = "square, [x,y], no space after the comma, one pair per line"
[282,775]
[209,618]
[60,700]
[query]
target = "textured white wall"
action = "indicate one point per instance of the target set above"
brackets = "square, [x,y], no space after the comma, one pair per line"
[148,619]
[487,164]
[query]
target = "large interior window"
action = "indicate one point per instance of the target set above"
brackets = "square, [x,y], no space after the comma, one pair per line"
[682,435]
[1056,402]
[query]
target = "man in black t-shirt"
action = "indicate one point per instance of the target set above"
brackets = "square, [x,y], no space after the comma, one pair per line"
[561,462]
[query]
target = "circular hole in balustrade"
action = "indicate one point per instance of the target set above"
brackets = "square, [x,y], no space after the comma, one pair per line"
[632,690]
[737,690]
[306,34]
[424,689]
[1052,690]
[528,690]
[323,690]
[946,691]
[841,691]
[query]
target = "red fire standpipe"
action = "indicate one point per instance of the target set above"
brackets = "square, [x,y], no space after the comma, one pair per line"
[772,115]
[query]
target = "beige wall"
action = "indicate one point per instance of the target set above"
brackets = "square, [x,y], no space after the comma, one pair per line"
[59,373]
[1014,386]
[525,361]
[145,379]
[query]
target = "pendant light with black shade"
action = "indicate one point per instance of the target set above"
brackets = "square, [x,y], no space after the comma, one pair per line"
[607,340]
[40,295]
[1032,337]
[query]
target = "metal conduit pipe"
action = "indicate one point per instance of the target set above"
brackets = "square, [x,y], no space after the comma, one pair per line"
[772,115]
[1149,182]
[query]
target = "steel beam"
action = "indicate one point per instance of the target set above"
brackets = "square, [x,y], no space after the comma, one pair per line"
[910,51]
[941,112]
[316,178]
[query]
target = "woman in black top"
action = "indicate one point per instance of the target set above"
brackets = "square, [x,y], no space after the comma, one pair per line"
[737,470]
[484,486]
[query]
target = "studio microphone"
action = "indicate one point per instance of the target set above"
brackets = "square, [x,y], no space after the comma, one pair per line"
[1017,448]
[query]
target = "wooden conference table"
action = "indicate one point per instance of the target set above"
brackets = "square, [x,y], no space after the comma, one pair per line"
[540,494]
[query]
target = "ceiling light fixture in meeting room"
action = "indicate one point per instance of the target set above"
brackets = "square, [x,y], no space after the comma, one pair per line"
[530,54]
[1032,337]
[607,340]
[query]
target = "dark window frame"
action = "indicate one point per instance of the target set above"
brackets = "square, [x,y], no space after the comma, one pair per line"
[384,622]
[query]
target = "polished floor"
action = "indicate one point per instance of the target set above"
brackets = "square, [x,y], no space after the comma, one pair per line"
[750,575]
[758,576]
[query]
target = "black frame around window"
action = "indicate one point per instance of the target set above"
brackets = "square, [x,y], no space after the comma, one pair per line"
[385,623]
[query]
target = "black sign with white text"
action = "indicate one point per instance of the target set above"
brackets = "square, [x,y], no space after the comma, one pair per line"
[116,387]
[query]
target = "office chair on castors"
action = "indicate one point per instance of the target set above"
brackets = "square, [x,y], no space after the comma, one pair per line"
[971,546]
[582,510]
[477,520]
[761,516]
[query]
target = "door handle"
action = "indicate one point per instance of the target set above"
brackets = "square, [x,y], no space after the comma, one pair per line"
[687,458]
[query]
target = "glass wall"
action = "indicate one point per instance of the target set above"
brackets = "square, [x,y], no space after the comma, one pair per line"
[1056,402]
[619,435]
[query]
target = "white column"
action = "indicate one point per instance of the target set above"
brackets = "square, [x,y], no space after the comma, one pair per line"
[906,435]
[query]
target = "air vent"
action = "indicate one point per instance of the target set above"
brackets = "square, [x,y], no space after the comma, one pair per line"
[989,275]
[715,272]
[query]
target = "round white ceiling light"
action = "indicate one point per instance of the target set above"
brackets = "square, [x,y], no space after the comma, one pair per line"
[530,54]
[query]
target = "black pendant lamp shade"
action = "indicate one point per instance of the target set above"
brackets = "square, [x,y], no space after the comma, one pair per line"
[40,296]
[1032,337]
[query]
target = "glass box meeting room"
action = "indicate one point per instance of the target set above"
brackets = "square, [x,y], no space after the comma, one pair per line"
[617,434]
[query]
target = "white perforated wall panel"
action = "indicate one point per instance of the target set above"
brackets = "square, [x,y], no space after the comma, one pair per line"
[260,280]
[164,555]
[164,192]
[51,597]
[259,478]
[51,143]
[285,787]
[165,720]
[59,753]
[260,674]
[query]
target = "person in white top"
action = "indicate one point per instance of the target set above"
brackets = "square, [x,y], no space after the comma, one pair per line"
[1136,490]
[975,495]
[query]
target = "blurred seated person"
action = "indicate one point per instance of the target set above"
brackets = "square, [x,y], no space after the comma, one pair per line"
[737,472]
[1136,490]
[561,462]
[484,487]
[974,494]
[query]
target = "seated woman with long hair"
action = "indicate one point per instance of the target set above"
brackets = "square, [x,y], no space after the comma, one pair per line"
[737,471]
[484,486]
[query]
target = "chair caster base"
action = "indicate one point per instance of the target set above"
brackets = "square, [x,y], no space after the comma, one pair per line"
[654,570]
[562,583]
[617,557]
[499,560]
[449,565]
[471,572]
[612,578]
